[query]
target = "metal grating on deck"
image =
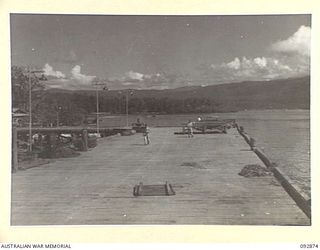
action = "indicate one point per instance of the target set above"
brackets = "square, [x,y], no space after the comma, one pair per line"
[153,190]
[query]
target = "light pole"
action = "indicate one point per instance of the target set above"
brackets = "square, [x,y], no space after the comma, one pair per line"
[127,104]
[120,103]
[58,110]
[97,98]
[30,106]
[98,83]
[30,103]
[30,110]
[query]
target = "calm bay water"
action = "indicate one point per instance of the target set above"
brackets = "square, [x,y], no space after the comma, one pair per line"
[284,135]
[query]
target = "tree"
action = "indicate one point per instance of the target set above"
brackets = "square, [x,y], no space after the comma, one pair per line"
[60,106]
[20,87]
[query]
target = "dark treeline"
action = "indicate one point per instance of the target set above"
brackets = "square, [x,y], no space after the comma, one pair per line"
[75,107]
[117,105]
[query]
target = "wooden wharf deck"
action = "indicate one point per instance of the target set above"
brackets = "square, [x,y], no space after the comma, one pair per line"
[96,188]
[69,129]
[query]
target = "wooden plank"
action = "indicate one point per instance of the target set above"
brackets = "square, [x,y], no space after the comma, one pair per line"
[96,187]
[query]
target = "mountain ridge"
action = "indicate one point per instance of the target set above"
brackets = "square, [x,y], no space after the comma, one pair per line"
[290,93]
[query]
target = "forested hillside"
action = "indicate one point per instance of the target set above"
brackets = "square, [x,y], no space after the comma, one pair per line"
[73,107]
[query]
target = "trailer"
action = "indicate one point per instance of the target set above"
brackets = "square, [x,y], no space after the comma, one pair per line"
[209,125]
[216,124]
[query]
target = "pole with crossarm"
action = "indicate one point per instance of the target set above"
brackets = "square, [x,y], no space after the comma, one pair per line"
[129,91]
[127,110]
[30,104]
[30,110]
[98,83]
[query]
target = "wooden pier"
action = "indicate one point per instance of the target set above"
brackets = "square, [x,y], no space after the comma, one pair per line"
[96,188]
[52,133]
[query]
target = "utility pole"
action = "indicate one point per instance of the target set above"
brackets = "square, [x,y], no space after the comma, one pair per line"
[120,102]
[30,103]
[30,106]
[97,96]
[127,104]
[98,83]
[58,110]
[30,110]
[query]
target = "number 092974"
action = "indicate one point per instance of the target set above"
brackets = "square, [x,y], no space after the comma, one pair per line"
[308,246]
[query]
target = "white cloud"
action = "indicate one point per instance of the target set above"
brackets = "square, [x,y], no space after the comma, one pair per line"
[235,64]
[141,81]
[260,62]
[289,58]
[78,76]
[258,68]
[244,63]
[70,84]
[298,43]
[76,81]
[295,51]
[131,75]
[48,71]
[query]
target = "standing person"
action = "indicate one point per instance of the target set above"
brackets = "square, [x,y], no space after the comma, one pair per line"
[190,129]
[146,135]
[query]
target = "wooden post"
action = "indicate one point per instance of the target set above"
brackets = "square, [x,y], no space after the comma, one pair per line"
[14,150]
[85,139]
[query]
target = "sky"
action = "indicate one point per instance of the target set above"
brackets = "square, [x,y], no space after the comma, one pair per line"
[160,52]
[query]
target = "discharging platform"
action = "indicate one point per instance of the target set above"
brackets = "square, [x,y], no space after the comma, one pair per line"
[96,188]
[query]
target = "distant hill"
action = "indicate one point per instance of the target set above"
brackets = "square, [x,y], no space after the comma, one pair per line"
[292,93]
